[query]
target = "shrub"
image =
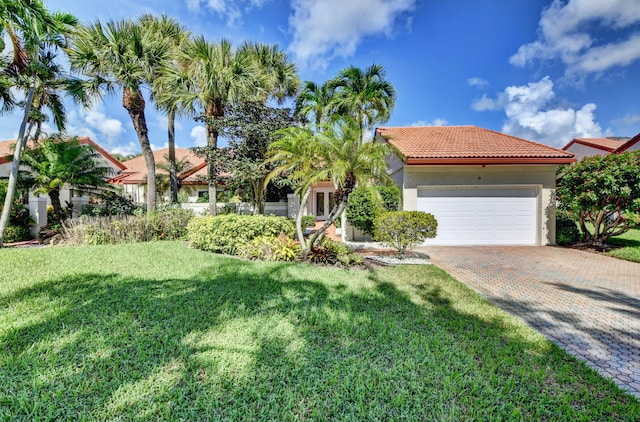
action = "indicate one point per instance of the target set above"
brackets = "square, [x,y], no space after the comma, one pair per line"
[567,232]
[228,233]
[272,248]
[111,204]
[365,204]
[308,221]
[405,229]
[330,252]
[19,224]
[166,225]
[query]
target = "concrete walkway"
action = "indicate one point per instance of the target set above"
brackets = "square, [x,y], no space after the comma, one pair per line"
[588,304]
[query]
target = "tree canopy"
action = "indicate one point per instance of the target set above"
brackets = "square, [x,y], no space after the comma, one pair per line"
[602,193]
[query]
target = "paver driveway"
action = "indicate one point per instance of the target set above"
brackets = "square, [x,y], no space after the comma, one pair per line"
[588,304]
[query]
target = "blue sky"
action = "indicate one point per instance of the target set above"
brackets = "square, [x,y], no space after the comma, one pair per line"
[543,70]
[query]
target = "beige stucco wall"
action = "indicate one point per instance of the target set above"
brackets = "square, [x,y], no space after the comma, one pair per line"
[581,151]
[540,176]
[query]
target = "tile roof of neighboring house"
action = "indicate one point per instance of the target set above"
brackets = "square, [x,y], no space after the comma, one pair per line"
[610,145]
[468,145]
[136,169]
[6,151]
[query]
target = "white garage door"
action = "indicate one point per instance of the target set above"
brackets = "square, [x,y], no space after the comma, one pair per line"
[482,216]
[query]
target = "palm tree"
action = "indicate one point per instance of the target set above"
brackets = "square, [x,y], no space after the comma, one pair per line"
[366,96]
[335,152]
[164,180]
[40,31]
[122,54]
[55,163]
[295,154]
[164,82]
[217,75]
[315,102]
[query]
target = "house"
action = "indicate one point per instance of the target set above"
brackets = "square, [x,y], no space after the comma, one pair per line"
[133,179]
[6,160]
[483,187]
[586,147]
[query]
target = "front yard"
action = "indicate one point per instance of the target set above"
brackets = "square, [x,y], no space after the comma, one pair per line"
[160,331]
[629,244]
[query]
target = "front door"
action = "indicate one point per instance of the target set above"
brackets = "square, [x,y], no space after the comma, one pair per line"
[324,202]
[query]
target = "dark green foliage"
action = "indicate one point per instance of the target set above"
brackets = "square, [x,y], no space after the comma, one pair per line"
[602,193]
[111,204]
[405,229]
[330,252]
[567,232]
[308,221]
[19,219]
[228,233]
[365,204]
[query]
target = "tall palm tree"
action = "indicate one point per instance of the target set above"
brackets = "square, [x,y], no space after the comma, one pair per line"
[56,162]
[122,54]
[40,31]
[164,81]
[315,102]
[218,75]
[366,96]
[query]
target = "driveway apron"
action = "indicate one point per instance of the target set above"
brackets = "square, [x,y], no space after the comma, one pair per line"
[586,303]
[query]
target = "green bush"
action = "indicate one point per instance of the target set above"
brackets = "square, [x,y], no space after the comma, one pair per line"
[228,233]
[308,221]
[272,248]
[330,252]
[405,229]
[19,224]
[567,232]
[111,204]
[365,204]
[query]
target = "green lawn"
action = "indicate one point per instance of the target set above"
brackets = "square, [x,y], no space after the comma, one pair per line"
[629,244]
[160,331]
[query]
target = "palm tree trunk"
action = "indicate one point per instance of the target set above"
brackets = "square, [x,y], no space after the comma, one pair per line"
[301,208]
[54,195]
[133,102]
[173,177]
[213,110]
[13,176]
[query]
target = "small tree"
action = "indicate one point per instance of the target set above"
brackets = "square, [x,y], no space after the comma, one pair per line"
[602,193]
[405,229]
[365,204]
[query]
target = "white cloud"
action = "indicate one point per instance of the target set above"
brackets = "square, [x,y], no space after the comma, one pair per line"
[478,82]
[324,29]
[485,103]
[230,10]
[106,126]
[628,120]
[199,134]
[439,121]
[563,35]
[531,115]
[129,148]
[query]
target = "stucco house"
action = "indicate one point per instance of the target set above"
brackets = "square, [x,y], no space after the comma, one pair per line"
[586,147]
[483,187]
[133,179]
[6,160]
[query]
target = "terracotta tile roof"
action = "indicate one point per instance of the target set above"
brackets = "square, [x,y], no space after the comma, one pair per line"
[6,150]
[606,144]
[468,145]
[136,169]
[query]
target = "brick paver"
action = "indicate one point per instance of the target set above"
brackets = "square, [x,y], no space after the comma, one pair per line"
[588,304]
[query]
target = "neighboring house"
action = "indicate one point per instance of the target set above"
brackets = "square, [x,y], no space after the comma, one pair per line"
[133,179]
[483,187]
[586,147]
[6,160]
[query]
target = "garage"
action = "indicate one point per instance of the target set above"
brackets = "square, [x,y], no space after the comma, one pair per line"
[487,215]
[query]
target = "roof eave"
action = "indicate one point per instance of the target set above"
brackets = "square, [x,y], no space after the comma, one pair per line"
[490,160]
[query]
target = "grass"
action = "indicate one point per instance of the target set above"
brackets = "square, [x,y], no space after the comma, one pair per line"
[160,331]
[629,245]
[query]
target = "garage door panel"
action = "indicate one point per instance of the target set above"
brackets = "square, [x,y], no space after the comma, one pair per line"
[483,216]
